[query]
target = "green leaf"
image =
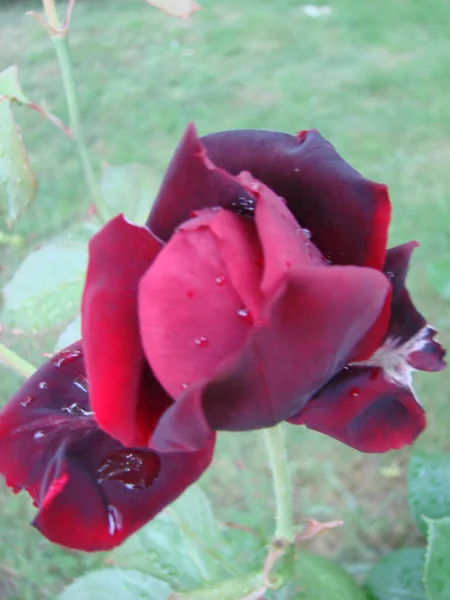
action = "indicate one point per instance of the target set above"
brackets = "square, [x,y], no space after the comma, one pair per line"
[119,584]
[439,276]
[45,291]
[18,184]
[317,578]
[230,589]
[10,86]
[130,189]
[71,333]
[437,563]
[428,481]
[398,576]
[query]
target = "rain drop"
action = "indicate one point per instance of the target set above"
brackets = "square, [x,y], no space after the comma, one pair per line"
[38,435]
[390,275]
[245,315]
[115,519]
[26,401]
[201,342]
[296,170]
[43,385]
[307,233]
[137,469]
[76,410]
[221,279]
[81,383]
[354,392]
[66,357]
[184,386]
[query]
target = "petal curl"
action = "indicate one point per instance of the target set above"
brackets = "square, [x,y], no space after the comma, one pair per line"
[365,409]
[91,492]
[121,385]
[347,214]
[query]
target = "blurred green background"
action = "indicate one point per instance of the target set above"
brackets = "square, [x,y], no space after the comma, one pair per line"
[373,77]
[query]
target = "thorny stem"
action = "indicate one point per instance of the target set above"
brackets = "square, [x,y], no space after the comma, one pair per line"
[275,443]
[15,362]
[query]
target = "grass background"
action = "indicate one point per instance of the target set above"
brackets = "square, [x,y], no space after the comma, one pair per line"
[373,77]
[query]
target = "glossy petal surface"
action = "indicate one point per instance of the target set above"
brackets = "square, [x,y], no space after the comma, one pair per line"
[265,351]
[91,492]
[121,386]
[365,409]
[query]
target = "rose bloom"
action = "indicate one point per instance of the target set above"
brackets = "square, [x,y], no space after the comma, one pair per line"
[259,291]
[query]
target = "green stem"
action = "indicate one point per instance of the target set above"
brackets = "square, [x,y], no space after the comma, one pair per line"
[62,49]
[15,362]
[276,447]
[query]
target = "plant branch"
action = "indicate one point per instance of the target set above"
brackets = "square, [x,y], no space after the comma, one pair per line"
[15,362]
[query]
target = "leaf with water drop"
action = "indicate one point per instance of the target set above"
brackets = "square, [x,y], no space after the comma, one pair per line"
[45,291]
[428,480]
[120,584]
[437,562]
[129,189]
[398,576]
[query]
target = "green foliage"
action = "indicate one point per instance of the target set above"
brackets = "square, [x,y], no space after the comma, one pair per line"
[45,291]
[437,563]
[429,487]
[71,333]
[129,189]
[120,584]
[439,276]
[231,589]
[398,576]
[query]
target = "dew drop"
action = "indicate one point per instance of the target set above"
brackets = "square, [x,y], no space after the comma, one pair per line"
[184,386]
[43,385]
[307,233]
[390,275]
[221,279]
[296,170]
[66,357]
[201,342]
[26,401]
[81,382]
[245,315]
[137,469]
[76,410]
[115,519]
[38,435]
[354,392]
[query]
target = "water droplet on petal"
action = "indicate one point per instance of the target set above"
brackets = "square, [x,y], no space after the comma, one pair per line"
[43,385]
[201,342]
[81,382]
[26,401]
[76,410]
[66,357]
[296,170]
[221,279]
[137,469]
[354,392]
[184,386]
[38,435]
[390,275]
[307,233]
[245,315]
[115,519]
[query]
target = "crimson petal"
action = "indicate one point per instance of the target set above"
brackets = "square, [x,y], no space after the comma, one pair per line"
[366,409]
[91,491]
[347,214]
[407,326]
[121,385]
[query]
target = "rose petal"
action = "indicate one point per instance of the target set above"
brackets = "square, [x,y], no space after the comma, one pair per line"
[406,321]
[364,409]
[347,214]
[91,491]
[120,384]
[193,182]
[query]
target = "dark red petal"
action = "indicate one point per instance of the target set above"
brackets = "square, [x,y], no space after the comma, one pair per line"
[191,183]
[366,410]
[120,384]
[347,214]
[91,491]
[406,321]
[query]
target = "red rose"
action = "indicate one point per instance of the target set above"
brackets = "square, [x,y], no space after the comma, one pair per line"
[259,291]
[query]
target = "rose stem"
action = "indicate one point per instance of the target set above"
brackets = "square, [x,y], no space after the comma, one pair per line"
[15,362]
[60,42]
[274,438]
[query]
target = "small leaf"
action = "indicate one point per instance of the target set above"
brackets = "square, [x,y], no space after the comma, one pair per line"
[10,86]
[317,578]
[45,291]
[130,189]
[119,584]
[437,562]
[237,588]
[71,333]
[398,576]
[177,8]
[18,184]
[439,276]
[428,480]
